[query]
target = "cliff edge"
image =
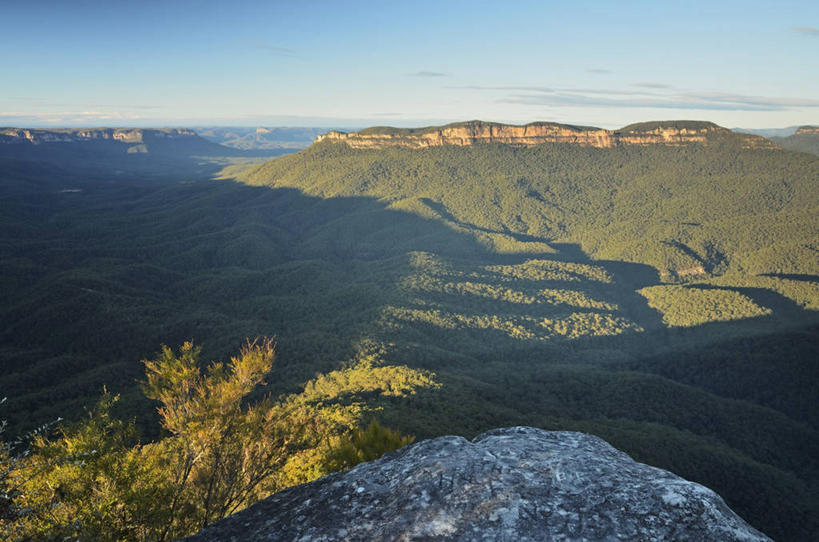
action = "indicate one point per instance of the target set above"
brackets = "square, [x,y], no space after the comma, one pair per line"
[673,133]
[79,135]
[512,484]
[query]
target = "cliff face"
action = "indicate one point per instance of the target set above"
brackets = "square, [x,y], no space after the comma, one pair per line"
[124,135]
[470,133]
[519,483]
[807,130]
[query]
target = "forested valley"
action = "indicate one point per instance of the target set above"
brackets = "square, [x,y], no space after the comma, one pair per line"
[664,298]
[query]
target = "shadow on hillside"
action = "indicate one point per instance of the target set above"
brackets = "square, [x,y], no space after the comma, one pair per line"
[631,276]
[105,159]
[793,276]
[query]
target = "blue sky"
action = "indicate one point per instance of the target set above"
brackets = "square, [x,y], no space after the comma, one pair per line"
[347,63]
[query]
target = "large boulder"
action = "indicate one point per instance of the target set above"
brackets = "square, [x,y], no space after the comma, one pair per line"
[513,484]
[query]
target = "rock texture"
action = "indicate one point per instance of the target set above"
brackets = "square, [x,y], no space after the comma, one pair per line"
[673,133]
[807,130]
[513,484]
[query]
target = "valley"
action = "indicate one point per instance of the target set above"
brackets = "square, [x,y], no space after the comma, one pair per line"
[662,295]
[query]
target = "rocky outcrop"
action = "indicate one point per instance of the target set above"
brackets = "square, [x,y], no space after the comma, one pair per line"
[514,484]
[124,135]
[470,133]
[807,130]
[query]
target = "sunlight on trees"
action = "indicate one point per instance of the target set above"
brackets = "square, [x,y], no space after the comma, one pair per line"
[93,480]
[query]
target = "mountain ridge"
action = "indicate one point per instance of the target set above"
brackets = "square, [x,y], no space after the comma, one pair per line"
[12,135]
[670,133]
[119,149]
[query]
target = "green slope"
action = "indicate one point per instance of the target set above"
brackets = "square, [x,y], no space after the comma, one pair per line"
[719,208]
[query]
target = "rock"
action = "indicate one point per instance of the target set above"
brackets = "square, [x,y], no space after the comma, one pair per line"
[670,133]
[513,484]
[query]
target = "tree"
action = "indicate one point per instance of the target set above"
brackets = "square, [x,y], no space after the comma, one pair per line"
[364,445]
[89,481]
[92,480]
[222,450]
[17,468]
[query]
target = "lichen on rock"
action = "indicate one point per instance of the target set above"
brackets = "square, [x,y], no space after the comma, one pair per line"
[515,484]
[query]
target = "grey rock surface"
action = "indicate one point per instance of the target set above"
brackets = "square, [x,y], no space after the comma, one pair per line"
[512,484]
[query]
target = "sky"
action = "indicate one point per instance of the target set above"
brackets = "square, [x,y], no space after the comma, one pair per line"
[410,63]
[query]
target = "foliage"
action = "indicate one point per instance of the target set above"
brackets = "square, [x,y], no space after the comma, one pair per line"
[222,450]
[364,445]
[88,483]
[16,468]
[691,305]
[672,208]
[93,481]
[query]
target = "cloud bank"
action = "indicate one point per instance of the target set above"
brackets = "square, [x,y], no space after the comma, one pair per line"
[425,73]
[644,95]
[807,30]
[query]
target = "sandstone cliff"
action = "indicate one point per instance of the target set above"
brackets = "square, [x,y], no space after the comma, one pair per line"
[514,484]
[473,132]
[125,135]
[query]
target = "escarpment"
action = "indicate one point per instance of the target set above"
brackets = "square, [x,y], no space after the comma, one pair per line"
[519,483]
[124,135]
[79,147]
[672,133]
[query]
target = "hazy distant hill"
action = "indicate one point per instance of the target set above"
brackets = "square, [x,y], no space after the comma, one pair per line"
[150,151]
[794,138]
[805,139]
[768,132]
[268,138]
[22,142]
[656,285]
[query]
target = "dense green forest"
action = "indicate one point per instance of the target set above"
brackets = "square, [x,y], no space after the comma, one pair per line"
[663,298]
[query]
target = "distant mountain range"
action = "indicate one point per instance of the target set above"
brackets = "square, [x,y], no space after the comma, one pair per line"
[768,132]
[805,139]
[275,141]
[170,151]
[793,138]
[268,138]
